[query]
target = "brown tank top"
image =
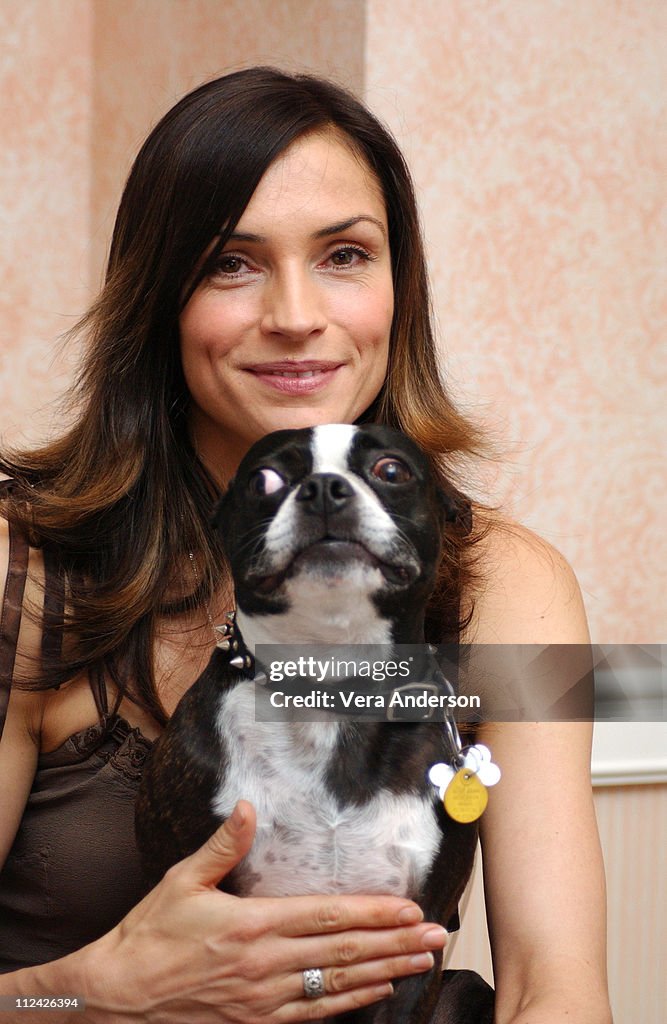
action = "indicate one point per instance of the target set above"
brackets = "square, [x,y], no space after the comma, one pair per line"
[73,870]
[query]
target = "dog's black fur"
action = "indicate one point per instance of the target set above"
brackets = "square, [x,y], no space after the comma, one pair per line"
[192,759]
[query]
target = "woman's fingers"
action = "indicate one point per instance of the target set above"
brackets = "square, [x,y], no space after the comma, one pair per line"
[373,973]
[318,915]
[349,988]
[224,849]
[361,946]
[253,923]
[331,1005]
[342,979]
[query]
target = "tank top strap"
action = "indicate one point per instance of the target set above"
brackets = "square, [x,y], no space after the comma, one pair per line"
[54,609]
[52,620]
[12,607]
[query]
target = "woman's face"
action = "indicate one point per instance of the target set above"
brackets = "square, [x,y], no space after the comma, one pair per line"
[291,329]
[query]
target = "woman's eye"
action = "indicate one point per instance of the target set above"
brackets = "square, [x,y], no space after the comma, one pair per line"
[229,265]
[265,481]
[392,471]
[349,256]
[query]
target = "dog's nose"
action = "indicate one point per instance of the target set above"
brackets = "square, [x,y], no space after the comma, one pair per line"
[324,493]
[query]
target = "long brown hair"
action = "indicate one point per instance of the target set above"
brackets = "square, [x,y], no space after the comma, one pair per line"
[120,500]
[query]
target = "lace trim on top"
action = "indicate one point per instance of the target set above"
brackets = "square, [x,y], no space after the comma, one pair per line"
[133,749]
[127,753]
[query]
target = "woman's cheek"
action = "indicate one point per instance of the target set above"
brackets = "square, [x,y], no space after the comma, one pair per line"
[211,325]
[367,319]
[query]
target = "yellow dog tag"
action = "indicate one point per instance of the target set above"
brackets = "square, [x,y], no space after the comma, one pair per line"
[465,797]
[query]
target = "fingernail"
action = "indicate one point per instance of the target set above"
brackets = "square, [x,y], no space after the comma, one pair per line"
[422,961]
[237,819]
[383,991]
[410,915]
[434,938]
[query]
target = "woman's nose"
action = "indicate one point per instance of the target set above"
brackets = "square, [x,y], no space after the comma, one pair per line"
[293,306]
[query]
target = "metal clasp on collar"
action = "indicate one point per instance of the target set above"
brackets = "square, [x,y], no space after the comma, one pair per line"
[429,713]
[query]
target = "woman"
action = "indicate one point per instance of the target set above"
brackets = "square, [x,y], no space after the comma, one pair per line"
[266,271]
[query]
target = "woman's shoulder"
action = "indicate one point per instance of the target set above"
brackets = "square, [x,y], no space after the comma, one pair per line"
[524,590]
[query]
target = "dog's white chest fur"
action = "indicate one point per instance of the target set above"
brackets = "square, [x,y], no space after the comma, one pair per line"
[306,842]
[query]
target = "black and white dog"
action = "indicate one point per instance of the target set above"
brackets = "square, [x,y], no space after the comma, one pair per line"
[334,536]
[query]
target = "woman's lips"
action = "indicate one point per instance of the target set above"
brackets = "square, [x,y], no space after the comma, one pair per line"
[303,378]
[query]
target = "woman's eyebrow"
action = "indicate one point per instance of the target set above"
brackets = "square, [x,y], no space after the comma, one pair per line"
[331,229]
[343,225]
[244,236]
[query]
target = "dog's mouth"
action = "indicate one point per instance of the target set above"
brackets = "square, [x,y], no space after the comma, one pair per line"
[332,556]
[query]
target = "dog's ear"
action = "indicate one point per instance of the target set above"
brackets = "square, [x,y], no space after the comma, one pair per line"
[454,506]
[448,507]
[223,510]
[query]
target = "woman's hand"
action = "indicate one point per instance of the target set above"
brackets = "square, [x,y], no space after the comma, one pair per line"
[189,952]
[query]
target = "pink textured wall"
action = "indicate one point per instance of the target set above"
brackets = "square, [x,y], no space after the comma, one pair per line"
[536,132]
[45,84]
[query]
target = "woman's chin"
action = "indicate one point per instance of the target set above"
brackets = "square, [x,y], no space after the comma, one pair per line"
[296,419]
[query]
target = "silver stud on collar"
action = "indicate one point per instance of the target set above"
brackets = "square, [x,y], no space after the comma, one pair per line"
[224,633]
[229,641]
[241,661]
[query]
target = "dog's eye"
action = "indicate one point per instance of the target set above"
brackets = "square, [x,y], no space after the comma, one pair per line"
[392,471]
[265,481]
